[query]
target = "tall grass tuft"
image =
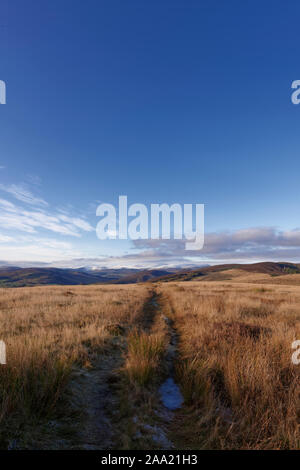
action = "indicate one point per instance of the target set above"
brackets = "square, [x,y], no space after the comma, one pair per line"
[143,358]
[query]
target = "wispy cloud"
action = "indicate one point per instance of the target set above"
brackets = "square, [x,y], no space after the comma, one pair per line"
[33,179]
[258,243]
[23,193]
[37,251]
[35,214]
[5,238]
[13,217]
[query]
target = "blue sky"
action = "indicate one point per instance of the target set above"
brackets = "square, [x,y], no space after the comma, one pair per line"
[163,101]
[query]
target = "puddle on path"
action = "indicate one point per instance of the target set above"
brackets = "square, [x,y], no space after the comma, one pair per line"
[170,394]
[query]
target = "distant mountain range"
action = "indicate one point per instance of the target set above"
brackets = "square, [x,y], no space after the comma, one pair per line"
[13,276]
[207,272]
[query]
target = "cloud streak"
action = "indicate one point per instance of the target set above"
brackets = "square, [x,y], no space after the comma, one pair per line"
[38,216]
[13,217]
[258,243]
[36,251]
[23,194]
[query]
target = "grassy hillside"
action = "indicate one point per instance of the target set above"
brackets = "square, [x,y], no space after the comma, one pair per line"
[27,277]
[223,271]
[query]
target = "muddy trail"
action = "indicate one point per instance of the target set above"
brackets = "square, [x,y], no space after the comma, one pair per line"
[169,391]
[148,408]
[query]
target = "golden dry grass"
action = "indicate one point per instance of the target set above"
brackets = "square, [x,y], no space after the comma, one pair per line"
[47,330]
[235,365]
[144,355]
[241,276]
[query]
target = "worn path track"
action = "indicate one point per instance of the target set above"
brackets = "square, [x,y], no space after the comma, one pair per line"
[149,407]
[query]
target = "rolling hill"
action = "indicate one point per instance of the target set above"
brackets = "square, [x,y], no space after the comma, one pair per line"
[12,276]
[23,277]
[223,271]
